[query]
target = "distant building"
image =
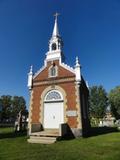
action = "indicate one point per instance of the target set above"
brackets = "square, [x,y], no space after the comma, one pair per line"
[108,120]
[58,95]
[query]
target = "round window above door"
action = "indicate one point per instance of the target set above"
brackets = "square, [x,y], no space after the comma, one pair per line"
[53,95]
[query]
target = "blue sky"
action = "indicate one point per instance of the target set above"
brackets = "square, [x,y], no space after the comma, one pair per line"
[90,29]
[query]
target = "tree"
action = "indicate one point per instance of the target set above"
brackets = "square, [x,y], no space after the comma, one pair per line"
[114,100]
[10,107]
[18,104]
[6,107]
[98,101]
[0,109]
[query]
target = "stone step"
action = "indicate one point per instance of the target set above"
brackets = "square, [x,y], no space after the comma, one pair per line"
[46,133]
[42,140]
[47,138]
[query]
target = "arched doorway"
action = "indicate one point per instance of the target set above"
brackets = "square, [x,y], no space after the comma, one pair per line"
[53,109]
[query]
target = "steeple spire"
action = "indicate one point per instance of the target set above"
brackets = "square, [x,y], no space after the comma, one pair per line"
[55,29]
[55,43]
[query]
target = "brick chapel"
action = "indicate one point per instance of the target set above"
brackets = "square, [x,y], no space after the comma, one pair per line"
[58,94]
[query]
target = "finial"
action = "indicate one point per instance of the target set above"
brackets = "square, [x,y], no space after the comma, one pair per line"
[77,61]
[31,69]
[30,78]
[78,70]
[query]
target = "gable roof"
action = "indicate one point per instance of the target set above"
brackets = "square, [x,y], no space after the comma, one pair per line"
[65,66]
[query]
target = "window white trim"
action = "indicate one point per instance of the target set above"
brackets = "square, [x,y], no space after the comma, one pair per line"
[53,96]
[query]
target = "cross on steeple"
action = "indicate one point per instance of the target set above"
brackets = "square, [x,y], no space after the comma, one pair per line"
[56,15]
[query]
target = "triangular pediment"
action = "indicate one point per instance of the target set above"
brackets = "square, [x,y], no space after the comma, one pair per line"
[63,71]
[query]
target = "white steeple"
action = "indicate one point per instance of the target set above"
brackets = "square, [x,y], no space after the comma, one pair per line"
[55,43]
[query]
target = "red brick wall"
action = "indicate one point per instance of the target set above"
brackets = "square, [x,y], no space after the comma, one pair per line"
[71,101]
[69,88]
[37,91]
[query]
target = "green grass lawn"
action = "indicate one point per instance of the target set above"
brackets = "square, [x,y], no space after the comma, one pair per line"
[102,147]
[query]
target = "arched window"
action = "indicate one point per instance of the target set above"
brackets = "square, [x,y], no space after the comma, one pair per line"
[54,47]
[53,71]
[53,95]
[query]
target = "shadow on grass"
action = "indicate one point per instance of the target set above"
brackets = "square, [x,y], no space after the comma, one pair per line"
[12,134]
[95,131]
[92,131]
